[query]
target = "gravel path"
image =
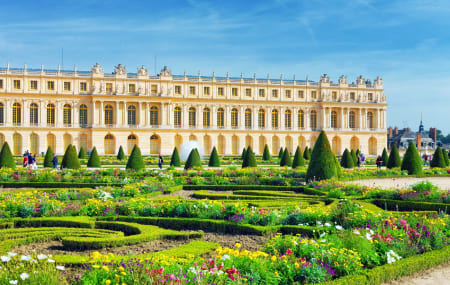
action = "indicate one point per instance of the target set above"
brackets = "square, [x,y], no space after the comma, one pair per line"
[403,182]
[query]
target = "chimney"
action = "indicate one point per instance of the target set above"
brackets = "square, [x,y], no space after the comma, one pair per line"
[395,131]
[390,132]
[419,140]
[433,134]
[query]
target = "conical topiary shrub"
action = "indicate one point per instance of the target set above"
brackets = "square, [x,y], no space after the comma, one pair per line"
[281,153]
[120,154]
[306,153]
[249,160]
[353,154]
[338,167]
[193,160]
[412,161]
[286,158]
[135,161]
[347,160]
[244,152]
[322,164]
[445,155]
[438,159]
[394,158]
[70,159]
[214,160]
[384,157]
[81,153]
[298,159]
[175,159]
[266,153]
[6,157]
[48,159]
[94,160]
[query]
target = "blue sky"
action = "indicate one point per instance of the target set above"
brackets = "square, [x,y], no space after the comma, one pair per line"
[407,43]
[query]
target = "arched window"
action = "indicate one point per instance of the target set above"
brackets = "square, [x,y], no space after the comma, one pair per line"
[2,113]
[177,117]
[83,115]
[154,116]
[83,141]
[109,144]
[301,119]
[33,114]
[17,114]
[248,118]
[372,146]
[288,143]
[370,120]
[248,141]
[108,115]
[220,144]
[274,119]
[336,145]
[131,115]
[261,118]
[234,118]
[313,119]
[131,142]
[333,119]
[234,144]
[17,144]
[351,120]
[178,141]
[275,145]
[51,115]
[192,115]
[288,119]
[206,144]
[67,140]
[154,144]
[51,142]
[354,143]
[192,138]
[206,117]
[313,142]
[301,143]
[262,144]
[2,140]
[67,120]
[220,118]
[34,143]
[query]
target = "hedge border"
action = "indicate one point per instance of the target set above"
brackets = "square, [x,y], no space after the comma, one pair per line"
[400,205]
[297,189]
[56,184]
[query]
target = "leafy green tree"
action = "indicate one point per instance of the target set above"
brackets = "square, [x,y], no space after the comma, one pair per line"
[6,158]
[438,159]
[70,159]
[412,161]
[48,159]
[354,156]
[286,158]
[175,159]
[94,159]
[280,153]
[306,153]
[323,161]
[347,160]
[120,154]
[445,155]
[81,153]
[394,158]
[135,161]
[193,160]
[266,153]
[244,152]
[384,157]
[298,159]
[214,160]
[249,160]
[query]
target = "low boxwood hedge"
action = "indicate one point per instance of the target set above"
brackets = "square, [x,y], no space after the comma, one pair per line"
[400,205]
[297,189]
[56,184]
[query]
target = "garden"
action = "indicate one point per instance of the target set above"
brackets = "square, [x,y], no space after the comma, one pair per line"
[246,219]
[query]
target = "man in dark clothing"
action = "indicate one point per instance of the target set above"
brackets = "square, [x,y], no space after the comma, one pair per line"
[55,161]
[160,162]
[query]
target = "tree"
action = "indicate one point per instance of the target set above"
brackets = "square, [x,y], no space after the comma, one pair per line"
[94,160]
[193,160]
[306,153]
[48,159]
[249,160]
[135,161]
[394,158]
[298,159]
[286,158]
[6,158]
[280,153]
[81,153]
[214,160]
[322,164]
[384,157]
[445,155]
[70,159]
[120,154]
[244,152]
[266,153]
[355,158]
[438,159]
[347,160]
[175,159]
[412,161]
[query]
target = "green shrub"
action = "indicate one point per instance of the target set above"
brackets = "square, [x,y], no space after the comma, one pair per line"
[48,159]
[412,161]
[445,155]
[323,161]
[249,160]
[81,153]
[135,161]
[94,160]
[394,158]
[347,160]
[438,159]
[244,152]
[266,153]
[193,160]
[120,154]
[280,153]
[384,157]
[298,159]
[306,153]
[6,157]
[175,159]
[286,158]
[354,156]
[70,159]
[214,160]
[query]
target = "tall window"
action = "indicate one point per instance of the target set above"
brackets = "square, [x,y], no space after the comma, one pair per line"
[351,120]
[16,84]
[83,141]
[17,144]
[220,118]
[131,142]
[206,145]
[108,115]
[131,88]
[83,115]
[33,114]
[33,85]
[301,119]
[154,116]
[301,94]
[177,90]
[262,144]
[131,115]
[2,140]
[333,119]
[154,89]
[220,144]
[67,114]
[274,92]
[261,93]
[220,91]
[274,118]
[177,117]
[314,94]
[109,144]
[313,119]
[275,145]
[50,85]
[178,141]
[370,120]
[50,115]
[34,143]
[352,96]
[206,117]
[66,86]
[370,97]
[248,92]
[206,91]
[288,94]
[2,112]
[17,114]
[234,91]
[67,140]
[1,83]
[51,142]
[334,95]
[288,119]
[154,144]
[192,115]
[191,90]
[261,118]
[234,145]
[83,86]
[248,118]
[108,87]
[234,118]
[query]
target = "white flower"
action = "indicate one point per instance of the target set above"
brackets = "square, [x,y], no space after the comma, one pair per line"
[51,260]
[25,258]
[13,282]
[12,254]
[60,267]
[42,256]
[339,227]
[392,256]
[368,236]
[206,206]
[300,224]
[322,235]
[327,224]
[24,276]
[225,257]
[5,258]
[356,232]
[193,270]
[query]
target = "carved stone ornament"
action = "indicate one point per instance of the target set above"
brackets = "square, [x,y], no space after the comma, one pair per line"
[142,71]
[120,69]
[360,80]
[324,79]
[96,68]
[167,72]
[343,79]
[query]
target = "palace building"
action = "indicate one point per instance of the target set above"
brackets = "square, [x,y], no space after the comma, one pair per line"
[53,108]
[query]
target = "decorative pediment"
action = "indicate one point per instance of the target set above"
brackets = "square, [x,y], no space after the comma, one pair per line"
[97,69]
[120,70]
[142,71]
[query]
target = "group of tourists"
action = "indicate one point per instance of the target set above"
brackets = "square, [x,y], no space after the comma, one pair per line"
[29,160]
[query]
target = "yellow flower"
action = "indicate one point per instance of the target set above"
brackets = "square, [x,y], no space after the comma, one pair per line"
[107,282]
[238,245]
[123,273]
[121,268]
[276,273]
[106,268]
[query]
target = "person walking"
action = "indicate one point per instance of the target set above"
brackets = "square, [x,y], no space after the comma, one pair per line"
[25,160]
[160,161]
[34,162]
[379,161]
[55,161]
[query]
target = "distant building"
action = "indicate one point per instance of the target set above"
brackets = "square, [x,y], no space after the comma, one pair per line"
[421,139]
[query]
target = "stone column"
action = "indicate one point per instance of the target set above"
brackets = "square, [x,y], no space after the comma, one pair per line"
[25,113]
[76,114]
[227,117]
[282,118]
[163,114]
[8,113]
[242,117]
[125,114]
[94,119]
[213,119]
[268,118]
[255,118]
[324,125]
[360,119]
[43,109]
[342,123]
[116,113]
[101,118]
